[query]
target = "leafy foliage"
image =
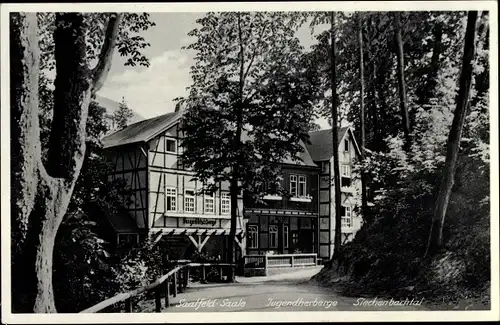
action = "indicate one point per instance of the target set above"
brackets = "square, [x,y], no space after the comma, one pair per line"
[394,235]
[251,100]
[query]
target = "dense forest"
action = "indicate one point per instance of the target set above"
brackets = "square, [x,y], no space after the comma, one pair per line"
[416,87]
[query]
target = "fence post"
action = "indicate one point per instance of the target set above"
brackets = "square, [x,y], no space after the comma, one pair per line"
[128,305]
[186,280]
[203,275]
[292,261]
[220,273]
[175,285]
[181,280]
[265,262]
[158,299]
[167,292]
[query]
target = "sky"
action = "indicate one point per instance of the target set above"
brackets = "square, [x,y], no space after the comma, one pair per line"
[150,91]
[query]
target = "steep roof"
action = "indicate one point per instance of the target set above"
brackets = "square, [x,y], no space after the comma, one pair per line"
[121,221]
[141,131]
[322,143]
[304,157]
[111,106]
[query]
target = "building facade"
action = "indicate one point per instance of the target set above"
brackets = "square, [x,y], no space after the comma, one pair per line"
[287,223]
[167,203]
[170,206]
[321,151]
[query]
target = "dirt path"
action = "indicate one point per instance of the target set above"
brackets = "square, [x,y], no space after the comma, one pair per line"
[287,292]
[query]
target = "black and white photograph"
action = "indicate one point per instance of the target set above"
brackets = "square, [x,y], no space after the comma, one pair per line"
[222,162]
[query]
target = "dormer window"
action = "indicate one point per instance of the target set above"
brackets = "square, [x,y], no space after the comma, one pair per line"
[171,145]
[346,145]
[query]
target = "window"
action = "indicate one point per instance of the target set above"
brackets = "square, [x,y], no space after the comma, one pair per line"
[302,186]
[295,238]
[128,239]
[346,217]
[346,171]
[171,196]
[285,236]
[209,203]
[225,203]
[346,145]
[273,236]
[170,145]
[253,236]
[293,185]
[345,180]
[325,167]
[189,201]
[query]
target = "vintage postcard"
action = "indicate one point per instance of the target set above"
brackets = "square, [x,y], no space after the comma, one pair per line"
[235,162]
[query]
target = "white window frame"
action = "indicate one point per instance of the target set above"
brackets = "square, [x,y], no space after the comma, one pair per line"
[274,232]
[285,236]
[347,218]
[302,180]
[346,171]
[206,199]
[186,201]
[346,144]
[294,180]
[166,146]
[253,230]
[173,195]
[225,203]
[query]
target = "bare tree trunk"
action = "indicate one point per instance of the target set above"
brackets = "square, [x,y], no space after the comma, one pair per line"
[41,196]
[364,200]
[401,80]
[335,142]
[453,146]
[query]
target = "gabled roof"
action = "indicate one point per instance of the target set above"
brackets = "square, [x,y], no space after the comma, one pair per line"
[141,131]
[121,221]
[321,147]
[111,106]
[304,157]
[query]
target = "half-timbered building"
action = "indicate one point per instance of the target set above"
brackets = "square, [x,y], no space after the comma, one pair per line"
[286,223]
[321,152]
[166,202]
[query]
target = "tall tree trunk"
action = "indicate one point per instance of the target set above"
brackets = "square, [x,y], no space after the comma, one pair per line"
[40,196]
[335,142]
[429,88]
[364,200]
[237,140]
[403,105]
[453,146]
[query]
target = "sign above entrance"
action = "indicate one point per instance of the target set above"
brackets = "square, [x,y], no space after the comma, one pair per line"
[200,223]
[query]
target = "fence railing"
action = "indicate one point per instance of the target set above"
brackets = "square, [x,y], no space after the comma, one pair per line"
[173,282]
[281,260]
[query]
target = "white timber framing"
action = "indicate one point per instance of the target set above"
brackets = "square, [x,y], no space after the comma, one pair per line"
[199,242]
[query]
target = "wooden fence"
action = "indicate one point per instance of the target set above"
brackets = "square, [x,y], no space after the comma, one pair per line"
[173,282]
[281,260]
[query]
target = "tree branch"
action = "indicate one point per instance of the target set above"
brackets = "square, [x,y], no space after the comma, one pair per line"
[101,70]
[71,97]
[255,51]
